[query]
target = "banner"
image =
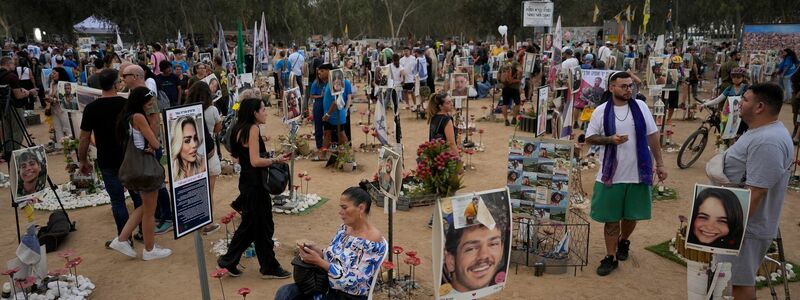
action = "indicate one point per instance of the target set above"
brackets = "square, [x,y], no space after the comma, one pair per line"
[477,221]
[771,37]
[187,167]
[537,14]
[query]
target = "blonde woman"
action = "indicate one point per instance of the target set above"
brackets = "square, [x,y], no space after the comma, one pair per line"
[186,160]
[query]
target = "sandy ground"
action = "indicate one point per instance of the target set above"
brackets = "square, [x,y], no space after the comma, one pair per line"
[645,275]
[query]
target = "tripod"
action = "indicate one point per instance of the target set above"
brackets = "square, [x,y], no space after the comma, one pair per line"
[16,119]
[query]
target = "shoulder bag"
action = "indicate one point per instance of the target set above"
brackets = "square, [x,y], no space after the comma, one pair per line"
[274,178]
[140,171]
[310,279]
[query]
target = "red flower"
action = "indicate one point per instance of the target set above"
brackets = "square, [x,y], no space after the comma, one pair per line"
[387,265]
[375,134]
[417,261]
[308,178]
[365,129]
[411,253]
[10,272]
[26,283]
[244,291]
[77,261]
[484,107]
[500,277]
[480,131]
[225,220]
[58,272]
[219,273]
[519,117]
[66,253]
[397,249]
[301,174]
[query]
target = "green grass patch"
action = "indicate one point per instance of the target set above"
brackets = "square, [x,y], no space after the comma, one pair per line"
[667,194]
[311,208]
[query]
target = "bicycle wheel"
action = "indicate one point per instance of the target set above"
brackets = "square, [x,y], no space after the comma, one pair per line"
[692,148]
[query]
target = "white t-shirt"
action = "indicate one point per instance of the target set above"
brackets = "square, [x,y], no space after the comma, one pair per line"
[296,59]
[409,63]
[421,64]
[627,170]
[151,85]
[569,64]
[24,73]
[604,54]
[211,117]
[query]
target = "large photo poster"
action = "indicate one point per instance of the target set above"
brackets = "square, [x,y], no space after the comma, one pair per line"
[538,177]
[187,165]
[771,37]
[390,173]
[68,95]
[472,245]
[719,218]
[214,86]
[593,84]
[28,173]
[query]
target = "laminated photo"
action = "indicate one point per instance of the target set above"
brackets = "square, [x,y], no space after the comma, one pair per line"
[389,172]
[28,173]
[718,219]
[214,86]
[337,82]
[68,95]
[467,225]
[459,85]
[734,117]
[291,102]
[538,177]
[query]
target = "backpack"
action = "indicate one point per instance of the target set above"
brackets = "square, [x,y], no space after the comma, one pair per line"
[227,129]
[421,70]
[163,100]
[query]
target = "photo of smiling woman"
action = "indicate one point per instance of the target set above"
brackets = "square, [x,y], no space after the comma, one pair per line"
[31,164]
[187,154]
[718,219]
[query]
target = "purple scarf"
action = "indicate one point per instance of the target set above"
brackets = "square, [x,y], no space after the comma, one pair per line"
[644,161]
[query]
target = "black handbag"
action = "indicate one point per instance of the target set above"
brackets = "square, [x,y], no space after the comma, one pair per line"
[310,279]
[140,171]
[275,178]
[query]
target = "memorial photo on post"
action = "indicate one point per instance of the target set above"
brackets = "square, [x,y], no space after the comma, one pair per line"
[719,219]
[29,172]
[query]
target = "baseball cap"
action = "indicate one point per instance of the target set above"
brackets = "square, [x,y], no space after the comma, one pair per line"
[588,57]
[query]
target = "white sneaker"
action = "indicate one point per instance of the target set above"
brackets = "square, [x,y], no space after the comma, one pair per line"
[122,247]
[156,253]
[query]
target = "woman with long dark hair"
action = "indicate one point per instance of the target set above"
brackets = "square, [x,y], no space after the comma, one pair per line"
[200,93]
[132,121]
[254,203]
[440,122]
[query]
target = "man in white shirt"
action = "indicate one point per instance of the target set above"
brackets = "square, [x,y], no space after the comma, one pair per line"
[604,53]
[296,60]
[628,136]
[409,63]
[568,62]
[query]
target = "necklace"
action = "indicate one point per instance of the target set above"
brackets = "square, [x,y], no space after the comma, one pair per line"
[626,115]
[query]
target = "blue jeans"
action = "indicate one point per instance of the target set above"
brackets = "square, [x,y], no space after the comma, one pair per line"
[787,88]
[483,89]
[163,206]
[319,110]
[117,194]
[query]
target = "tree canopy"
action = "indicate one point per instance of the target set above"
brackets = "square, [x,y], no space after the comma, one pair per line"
[295,20]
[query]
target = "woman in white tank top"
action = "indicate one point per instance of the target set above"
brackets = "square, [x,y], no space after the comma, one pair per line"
[132,121]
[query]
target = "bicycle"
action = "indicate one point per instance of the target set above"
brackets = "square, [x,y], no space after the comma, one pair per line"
[697,141]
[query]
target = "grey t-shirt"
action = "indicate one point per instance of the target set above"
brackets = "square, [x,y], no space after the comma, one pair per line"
[761,158]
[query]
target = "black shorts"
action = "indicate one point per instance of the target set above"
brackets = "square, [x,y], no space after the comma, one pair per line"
[408,87]
[672,98]
[510,94]
[329,126]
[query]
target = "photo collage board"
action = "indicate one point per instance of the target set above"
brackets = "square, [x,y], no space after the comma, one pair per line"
[538,177]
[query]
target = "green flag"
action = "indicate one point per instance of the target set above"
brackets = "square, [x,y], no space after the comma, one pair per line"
[239,49]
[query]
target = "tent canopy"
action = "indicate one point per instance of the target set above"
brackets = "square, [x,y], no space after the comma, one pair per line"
[93,25]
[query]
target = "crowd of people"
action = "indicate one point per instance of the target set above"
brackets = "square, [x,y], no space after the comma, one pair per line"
[467,70]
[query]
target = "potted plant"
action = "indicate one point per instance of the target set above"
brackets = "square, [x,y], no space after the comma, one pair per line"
[438,169]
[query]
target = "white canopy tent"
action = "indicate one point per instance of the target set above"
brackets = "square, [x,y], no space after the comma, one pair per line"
[92,25]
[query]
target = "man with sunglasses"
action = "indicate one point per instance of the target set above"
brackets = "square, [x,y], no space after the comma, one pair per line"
[622,196]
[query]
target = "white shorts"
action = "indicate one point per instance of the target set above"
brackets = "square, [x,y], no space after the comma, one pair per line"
[214,166]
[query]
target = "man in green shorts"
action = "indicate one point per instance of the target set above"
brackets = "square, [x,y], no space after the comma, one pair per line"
[628,136]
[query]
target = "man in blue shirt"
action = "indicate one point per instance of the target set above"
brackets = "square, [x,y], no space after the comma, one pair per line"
[315,94]
[335,119]
[283,67]
[180,61]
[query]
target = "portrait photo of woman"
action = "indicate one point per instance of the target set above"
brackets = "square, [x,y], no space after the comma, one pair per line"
[187,151]
[718,220]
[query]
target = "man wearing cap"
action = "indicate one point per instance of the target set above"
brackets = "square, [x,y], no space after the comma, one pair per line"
[588,59]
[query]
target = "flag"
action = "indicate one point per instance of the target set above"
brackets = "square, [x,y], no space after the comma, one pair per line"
[596,13]
[119,41]
[633,15]
[557,34]
[566,124]
[239,49]
[264,40]
[255,45]
[646,15]
[346,32]
[618,17]
[222,46]
[628,13]
[179,43]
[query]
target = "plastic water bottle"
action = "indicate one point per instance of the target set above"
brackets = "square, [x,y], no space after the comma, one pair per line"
[237,168]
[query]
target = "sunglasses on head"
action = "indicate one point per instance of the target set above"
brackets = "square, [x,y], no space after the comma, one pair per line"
[151,94]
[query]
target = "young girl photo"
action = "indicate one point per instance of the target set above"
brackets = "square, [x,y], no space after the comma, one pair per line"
[719,217]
